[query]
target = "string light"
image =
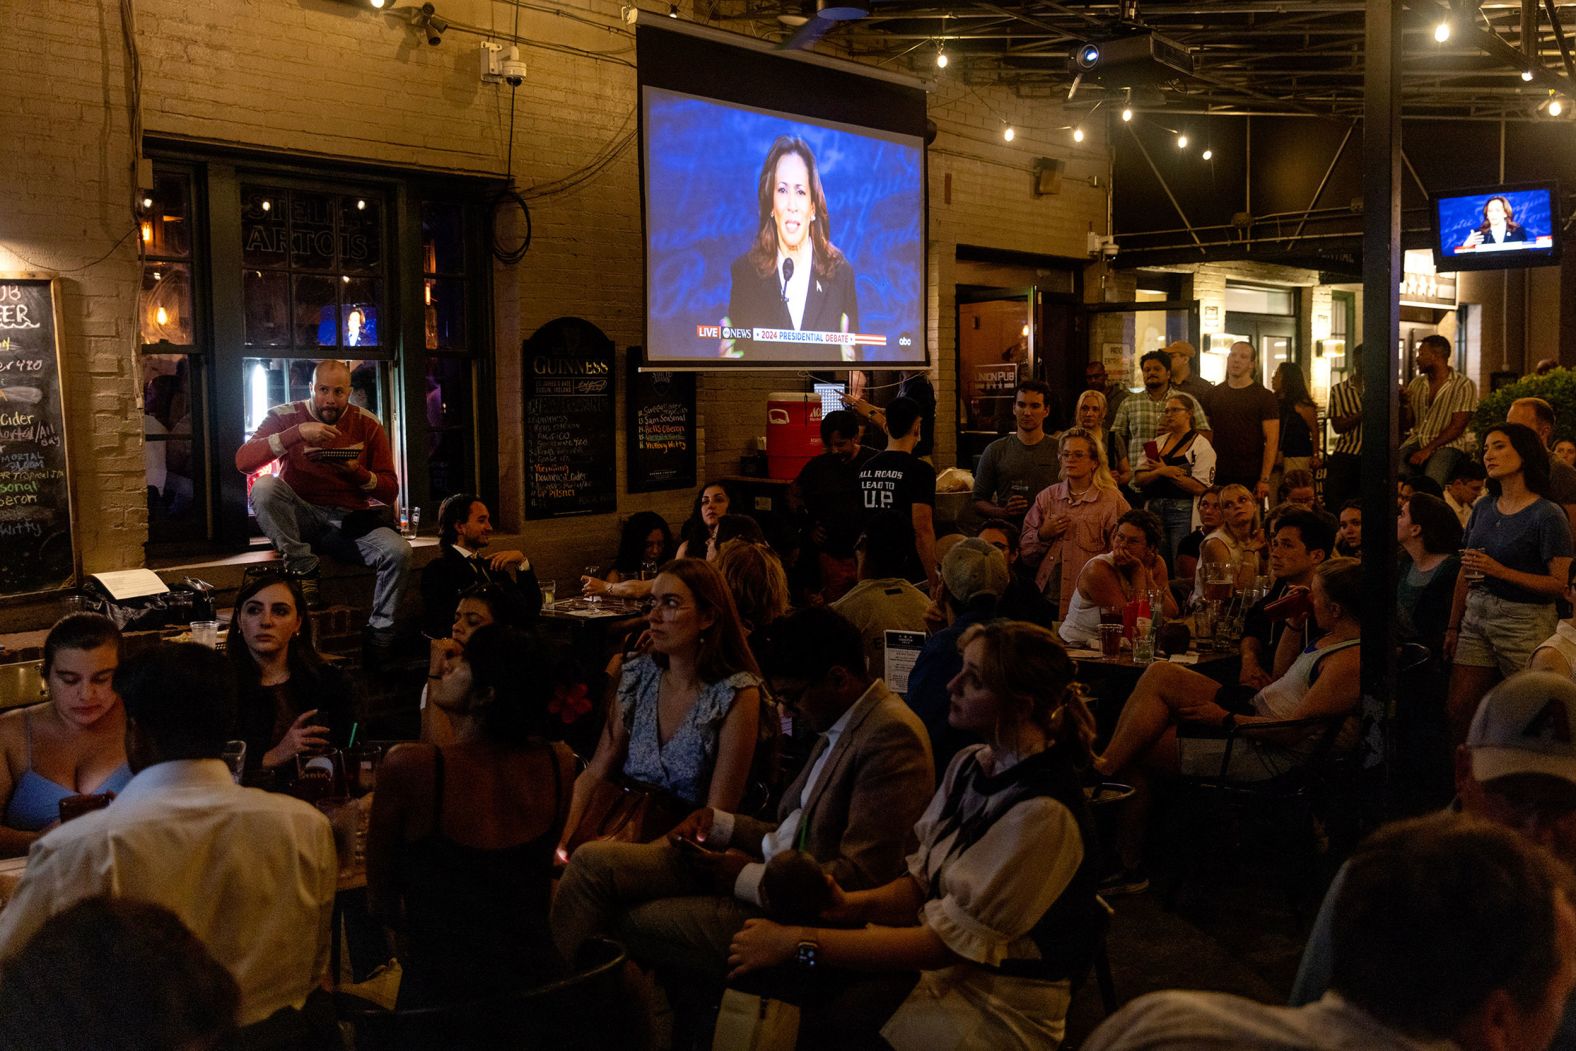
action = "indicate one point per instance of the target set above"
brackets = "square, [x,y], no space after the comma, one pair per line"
[1008,134]
[1127,113]
[1208,154]
[1182,140]
[941,58]
[1078,134]
[1442,32]
[1526,75]
[1556,107]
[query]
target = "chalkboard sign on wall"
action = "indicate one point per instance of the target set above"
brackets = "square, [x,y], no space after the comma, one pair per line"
[37,544]
[661,433]
[570,452]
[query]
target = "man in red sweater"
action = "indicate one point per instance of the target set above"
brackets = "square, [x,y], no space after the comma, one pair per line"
[338,475]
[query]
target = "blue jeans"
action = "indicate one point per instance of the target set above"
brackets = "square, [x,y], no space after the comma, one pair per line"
[1176,516]
[1439,466]
[295,526]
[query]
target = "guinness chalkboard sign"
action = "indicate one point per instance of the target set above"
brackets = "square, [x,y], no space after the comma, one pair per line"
[570,452]
[37,546]
[661,433]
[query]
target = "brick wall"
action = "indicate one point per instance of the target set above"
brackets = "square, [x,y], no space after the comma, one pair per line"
[314,78]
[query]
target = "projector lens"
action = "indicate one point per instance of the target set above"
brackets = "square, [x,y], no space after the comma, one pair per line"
[1089,55]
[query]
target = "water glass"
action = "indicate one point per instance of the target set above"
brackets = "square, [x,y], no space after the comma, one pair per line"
[413,524]
[1473,575]
[234,756]
[1144,647]
[594,572]
[205,633]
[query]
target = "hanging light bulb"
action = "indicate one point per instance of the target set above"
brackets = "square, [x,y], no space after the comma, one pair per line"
[1182,140]
[1008,134]
[1526,75]
[1078,135]
[1127,113]
[1208,154]
[1556,107]
[941,58]
[1442,32]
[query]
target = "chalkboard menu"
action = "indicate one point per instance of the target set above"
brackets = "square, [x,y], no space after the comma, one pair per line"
[661,433]
[570,452]
[37,548]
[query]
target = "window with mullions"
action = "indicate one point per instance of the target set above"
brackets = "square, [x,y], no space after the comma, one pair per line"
[173,355]
[450,350]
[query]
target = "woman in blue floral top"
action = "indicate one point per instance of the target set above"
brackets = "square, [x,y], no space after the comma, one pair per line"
[688,707]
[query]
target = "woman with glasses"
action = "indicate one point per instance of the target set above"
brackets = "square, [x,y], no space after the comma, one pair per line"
[1172,474]
[1132,570]
[289,700]
[1071,522]
[687,712]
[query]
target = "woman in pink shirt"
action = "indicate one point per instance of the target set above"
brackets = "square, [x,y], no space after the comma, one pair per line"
[1072,521]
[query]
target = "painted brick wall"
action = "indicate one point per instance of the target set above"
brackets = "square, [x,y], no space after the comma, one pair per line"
[316,78]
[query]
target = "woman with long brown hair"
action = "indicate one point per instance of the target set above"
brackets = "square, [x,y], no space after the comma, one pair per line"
[793,276]
[687,710]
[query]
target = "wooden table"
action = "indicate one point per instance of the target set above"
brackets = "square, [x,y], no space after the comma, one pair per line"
[1112,679]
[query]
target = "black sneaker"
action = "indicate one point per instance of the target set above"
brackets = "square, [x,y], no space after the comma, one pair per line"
[309,589]
[1123,882]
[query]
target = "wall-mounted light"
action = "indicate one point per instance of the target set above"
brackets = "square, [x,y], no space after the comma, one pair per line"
[673,10]
[1007,132]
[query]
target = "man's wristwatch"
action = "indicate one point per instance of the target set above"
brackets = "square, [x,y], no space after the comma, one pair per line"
[806,955]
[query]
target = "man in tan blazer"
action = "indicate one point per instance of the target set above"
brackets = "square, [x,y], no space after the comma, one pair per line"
[677,903]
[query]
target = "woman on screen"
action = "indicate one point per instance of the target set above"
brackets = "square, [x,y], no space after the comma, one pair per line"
[792,277]
[1497,227]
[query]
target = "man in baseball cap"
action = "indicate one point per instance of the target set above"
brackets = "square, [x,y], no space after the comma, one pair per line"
[1516,769]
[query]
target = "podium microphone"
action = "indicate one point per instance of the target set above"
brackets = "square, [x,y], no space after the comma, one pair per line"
[787,276]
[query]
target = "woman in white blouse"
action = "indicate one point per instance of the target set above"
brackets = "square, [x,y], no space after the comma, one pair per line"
[997,910]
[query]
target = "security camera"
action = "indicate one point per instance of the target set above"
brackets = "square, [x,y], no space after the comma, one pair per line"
[513,68]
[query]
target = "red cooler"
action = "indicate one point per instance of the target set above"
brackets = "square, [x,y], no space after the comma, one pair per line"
[793,433]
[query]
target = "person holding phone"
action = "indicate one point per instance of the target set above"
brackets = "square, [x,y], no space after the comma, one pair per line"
[1177,465]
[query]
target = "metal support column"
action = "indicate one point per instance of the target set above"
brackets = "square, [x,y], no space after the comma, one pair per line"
[1381,326]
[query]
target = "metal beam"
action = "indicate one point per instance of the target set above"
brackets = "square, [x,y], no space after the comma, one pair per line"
[1313,203]
[1164,186]
[1381,324]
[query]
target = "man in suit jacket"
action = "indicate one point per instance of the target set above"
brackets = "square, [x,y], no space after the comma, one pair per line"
[678,903]
[464,529]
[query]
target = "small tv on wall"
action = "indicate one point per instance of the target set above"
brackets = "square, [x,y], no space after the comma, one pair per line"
[784,210]
[1497,227]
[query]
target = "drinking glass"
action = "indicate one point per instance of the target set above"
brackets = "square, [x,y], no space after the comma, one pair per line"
[1111,640]
[549,592]
[414,525]
[361,768]
[206,633]
[648,571]
[594,571]
[234,756]
[1473,575]
[318,775]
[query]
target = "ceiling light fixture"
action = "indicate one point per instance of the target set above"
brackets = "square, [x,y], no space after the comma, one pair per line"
[377,5]
[673,10]
[1442,32]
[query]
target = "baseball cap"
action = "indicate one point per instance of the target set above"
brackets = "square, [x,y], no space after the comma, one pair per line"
[1525,725]
[973,568]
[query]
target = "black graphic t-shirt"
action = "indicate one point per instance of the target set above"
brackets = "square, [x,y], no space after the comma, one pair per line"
[896,481]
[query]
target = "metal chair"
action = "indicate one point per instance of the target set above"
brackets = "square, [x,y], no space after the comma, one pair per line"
[577,1013]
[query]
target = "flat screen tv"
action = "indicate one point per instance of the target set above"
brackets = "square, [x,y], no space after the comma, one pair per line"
[784,207]
[1497,227]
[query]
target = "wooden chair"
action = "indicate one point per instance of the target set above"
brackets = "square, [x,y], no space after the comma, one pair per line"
[577,1013]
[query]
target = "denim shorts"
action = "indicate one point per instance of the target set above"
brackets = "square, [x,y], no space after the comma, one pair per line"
[1499,633]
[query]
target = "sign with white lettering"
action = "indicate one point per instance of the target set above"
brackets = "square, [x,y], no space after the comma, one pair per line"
[660,437]
[37,541]
[570,449]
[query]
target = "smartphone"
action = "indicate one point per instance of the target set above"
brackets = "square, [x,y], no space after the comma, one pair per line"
[1152,450]
[1295,603]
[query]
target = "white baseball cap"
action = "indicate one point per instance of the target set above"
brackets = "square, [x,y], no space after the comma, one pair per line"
[1525,725]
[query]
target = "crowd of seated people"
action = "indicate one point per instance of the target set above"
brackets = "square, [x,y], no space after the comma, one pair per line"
[779,806]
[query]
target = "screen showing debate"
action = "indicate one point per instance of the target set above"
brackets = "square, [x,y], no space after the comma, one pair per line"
[1506,226]
[776,239]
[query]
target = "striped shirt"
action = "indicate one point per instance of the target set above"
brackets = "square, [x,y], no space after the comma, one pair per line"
[1432,414]
[1346,399]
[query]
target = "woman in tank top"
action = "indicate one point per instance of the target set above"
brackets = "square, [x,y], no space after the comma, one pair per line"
[461,839]
[72,743]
